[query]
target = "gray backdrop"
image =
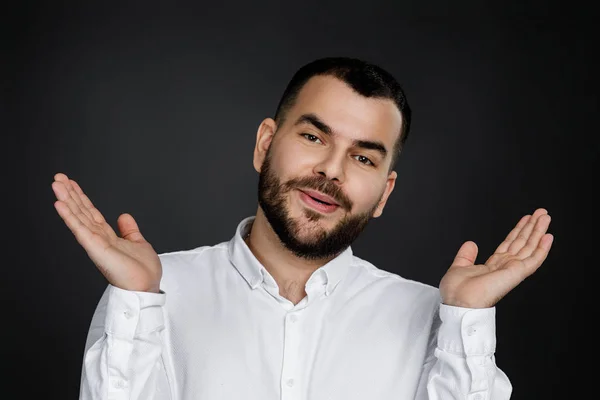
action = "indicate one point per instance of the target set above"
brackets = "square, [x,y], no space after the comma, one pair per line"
[153,109]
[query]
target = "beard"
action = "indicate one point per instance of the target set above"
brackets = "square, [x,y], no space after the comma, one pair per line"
[321,243]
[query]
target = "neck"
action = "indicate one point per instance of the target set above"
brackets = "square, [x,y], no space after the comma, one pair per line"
[289,271]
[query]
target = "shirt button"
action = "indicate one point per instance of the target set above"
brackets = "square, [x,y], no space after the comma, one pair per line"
[477,397]
[128,314]
[120,384]
[293,318]
[471,331]
[290,383]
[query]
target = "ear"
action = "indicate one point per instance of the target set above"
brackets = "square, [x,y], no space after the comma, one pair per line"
[264,136]
[389,188]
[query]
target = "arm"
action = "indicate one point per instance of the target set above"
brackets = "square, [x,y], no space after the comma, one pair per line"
[460,362]
[122,358]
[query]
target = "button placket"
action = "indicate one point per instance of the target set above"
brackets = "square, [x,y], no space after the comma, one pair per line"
[289,378]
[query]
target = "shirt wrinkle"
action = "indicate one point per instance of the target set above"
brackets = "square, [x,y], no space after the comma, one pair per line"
[220,330]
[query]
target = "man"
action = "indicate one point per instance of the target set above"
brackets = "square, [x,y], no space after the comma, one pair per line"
[284,310]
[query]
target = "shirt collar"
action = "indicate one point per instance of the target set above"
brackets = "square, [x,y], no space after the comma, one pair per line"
[254,272]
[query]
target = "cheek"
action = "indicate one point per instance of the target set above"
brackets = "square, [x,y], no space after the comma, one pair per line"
[294,161]
[365,193]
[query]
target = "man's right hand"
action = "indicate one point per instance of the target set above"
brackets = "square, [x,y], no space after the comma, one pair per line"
[128,262]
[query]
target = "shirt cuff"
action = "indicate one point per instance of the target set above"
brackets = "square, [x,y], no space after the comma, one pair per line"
[467,331]
[129,313]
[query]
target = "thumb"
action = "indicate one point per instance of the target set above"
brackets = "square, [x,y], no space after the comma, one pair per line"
[467,254]
[129,228]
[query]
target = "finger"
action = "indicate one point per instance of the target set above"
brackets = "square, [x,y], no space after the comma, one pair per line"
[467,254]
[81,232]
[94,220]
[96,214]
[62,194]
[523,236]
[503,248]
[62,178]
[505,279]
[535,260]
[129,228]
[75,196]
[539,230]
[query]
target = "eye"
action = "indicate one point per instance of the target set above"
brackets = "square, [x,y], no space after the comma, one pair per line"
[364,160]
[310,137]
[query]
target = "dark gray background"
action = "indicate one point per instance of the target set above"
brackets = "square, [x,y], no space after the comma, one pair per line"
[154,110]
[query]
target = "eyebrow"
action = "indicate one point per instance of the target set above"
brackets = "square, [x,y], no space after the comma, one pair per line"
[315,121]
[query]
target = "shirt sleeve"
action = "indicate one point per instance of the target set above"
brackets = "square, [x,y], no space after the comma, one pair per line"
[461,363]
[123,351]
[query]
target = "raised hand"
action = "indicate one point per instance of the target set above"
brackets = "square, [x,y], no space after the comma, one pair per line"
[128,262]
[518,256]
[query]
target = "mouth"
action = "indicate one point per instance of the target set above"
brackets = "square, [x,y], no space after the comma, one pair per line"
[318,201]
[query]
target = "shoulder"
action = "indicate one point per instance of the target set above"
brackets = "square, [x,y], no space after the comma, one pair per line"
[389,282]
[195,257]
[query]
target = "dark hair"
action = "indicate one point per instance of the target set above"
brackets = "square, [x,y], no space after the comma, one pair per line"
[366,79]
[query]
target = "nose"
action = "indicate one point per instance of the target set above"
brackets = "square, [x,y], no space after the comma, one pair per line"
[332,166]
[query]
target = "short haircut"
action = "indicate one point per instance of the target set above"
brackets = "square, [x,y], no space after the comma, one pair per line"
[366,79]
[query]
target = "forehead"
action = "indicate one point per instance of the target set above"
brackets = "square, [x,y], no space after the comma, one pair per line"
[348,113]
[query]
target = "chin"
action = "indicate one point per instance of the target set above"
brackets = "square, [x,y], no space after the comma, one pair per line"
[311,233]
[312,230]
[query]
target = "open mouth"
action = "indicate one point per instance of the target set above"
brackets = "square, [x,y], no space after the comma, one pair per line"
[318,204]
[320,201]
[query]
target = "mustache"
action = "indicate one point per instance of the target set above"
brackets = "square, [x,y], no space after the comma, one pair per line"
[322,185]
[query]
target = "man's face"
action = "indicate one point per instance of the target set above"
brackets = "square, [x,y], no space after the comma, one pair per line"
[324,174]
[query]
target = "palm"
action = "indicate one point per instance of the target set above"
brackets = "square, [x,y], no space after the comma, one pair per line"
[518,256]
[129,261]
[141,265]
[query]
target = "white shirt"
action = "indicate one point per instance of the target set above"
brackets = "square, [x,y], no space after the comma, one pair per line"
[220,330]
